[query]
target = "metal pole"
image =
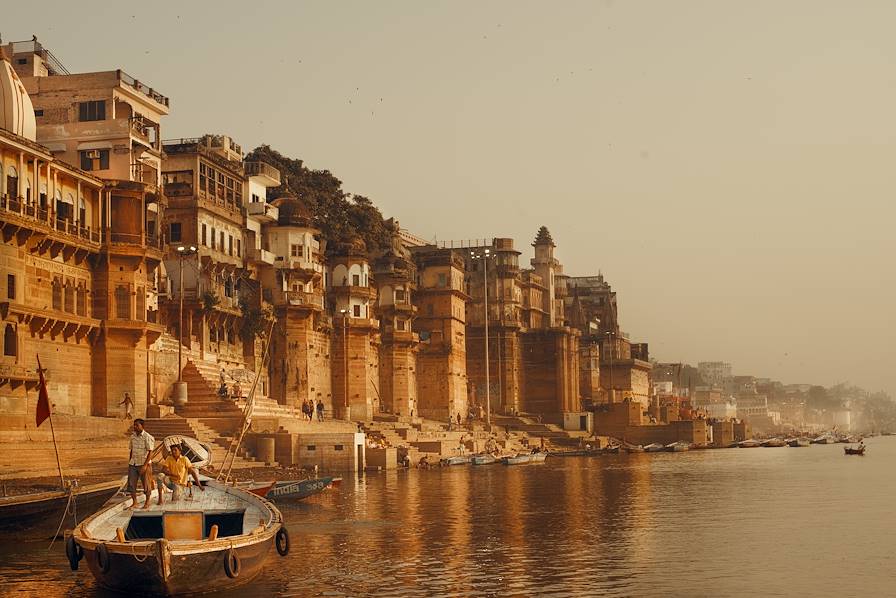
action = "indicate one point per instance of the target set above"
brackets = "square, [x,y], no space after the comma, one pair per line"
[488,398]
[180,326]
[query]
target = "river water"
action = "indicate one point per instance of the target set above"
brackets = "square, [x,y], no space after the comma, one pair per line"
[766,522]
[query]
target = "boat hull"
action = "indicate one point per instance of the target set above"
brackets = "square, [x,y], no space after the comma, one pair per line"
[299,489]
[201,572]
[38,515]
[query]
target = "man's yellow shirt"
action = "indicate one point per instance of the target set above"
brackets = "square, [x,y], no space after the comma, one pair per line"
[178,469]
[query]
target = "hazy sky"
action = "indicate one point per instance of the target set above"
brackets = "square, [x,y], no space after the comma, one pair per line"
[729,166]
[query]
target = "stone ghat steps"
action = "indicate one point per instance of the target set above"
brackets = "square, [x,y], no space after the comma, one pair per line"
[167,426]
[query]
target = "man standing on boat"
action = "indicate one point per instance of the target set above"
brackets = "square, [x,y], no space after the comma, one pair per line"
[174,474]
[139,467]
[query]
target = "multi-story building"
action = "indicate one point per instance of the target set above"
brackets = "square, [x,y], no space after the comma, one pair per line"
[441,325]
[205,183]
[355,364]
[714,373]
[107,123]
[77,261]
[299,364]
[624,367]
[395,276]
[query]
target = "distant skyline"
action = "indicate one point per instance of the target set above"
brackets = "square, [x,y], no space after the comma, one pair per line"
[728,166]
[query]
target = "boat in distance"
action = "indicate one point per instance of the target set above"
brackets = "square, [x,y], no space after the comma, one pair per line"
[520,459]
[798,442]
[848,450]
[654,447]
[209,540]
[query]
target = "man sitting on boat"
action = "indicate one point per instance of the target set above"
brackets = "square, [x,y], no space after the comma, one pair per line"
[174,474]
[139,467]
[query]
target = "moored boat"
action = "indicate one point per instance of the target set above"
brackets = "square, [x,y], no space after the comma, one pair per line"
[798,442]
[208,540]
[613,449]
[824,439]
[458,460]
[40,514]
[774,443]
[634,448]
[655,447]
[538,457]
[677,447]
[520,459]
[297,489]
[859,450]
[484,459]
[749,443]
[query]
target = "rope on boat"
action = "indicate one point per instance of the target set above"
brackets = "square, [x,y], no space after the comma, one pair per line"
[134,554]
[71,494]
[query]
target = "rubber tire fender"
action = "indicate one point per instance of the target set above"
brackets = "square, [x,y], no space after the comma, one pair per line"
[102,558]
[74,552]
[232,564]
[281,541]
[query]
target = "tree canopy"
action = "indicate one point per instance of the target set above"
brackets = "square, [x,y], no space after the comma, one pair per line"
[339,215]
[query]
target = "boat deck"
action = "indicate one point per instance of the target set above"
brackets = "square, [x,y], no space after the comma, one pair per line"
[215,499]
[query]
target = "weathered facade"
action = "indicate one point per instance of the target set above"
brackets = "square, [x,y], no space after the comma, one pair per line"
[80,253]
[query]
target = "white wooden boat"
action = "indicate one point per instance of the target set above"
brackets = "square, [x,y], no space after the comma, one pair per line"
[798,442]
[484,459]
[774,443]
[749,443]
[207,541]
[677,447]
[654,447]
[520,459]
[458,460]
[539,457]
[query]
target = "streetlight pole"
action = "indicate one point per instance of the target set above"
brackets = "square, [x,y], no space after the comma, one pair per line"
[488,397]
[180,388]
[344,313]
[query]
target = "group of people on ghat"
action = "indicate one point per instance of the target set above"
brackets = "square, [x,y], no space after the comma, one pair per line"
[310,408]
[174,473]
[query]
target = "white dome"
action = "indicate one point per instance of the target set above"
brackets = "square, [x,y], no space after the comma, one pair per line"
[16,110]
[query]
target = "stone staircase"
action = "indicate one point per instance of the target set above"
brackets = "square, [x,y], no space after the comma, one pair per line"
[161,427]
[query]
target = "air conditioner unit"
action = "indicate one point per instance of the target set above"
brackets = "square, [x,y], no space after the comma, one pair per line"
[93,155]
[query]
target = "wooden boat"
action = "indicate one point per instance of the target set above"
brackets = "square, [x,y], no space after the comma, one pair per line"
[654,447]
[257,488]
[774,443]
[677,447]
[38,515]
[539,457]
[824,440]
[854,451]
[209,540]
[749,443]
[458,460]
[575,453]
[634,448]
[296,489]
[798,442]
[613,450]
[520,459]
[484,459]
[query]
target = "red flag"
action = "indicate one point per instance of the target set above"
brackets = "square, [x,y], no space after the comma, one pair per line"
[43,400]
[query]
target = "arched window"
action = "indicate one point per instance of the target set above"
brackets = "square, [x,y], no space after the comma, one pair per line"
[42,196]
[10,344]
[82,212]
[28,190]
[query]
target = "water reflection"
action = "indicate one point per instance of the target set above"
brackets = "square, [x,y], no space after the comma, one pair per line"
[709,523]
